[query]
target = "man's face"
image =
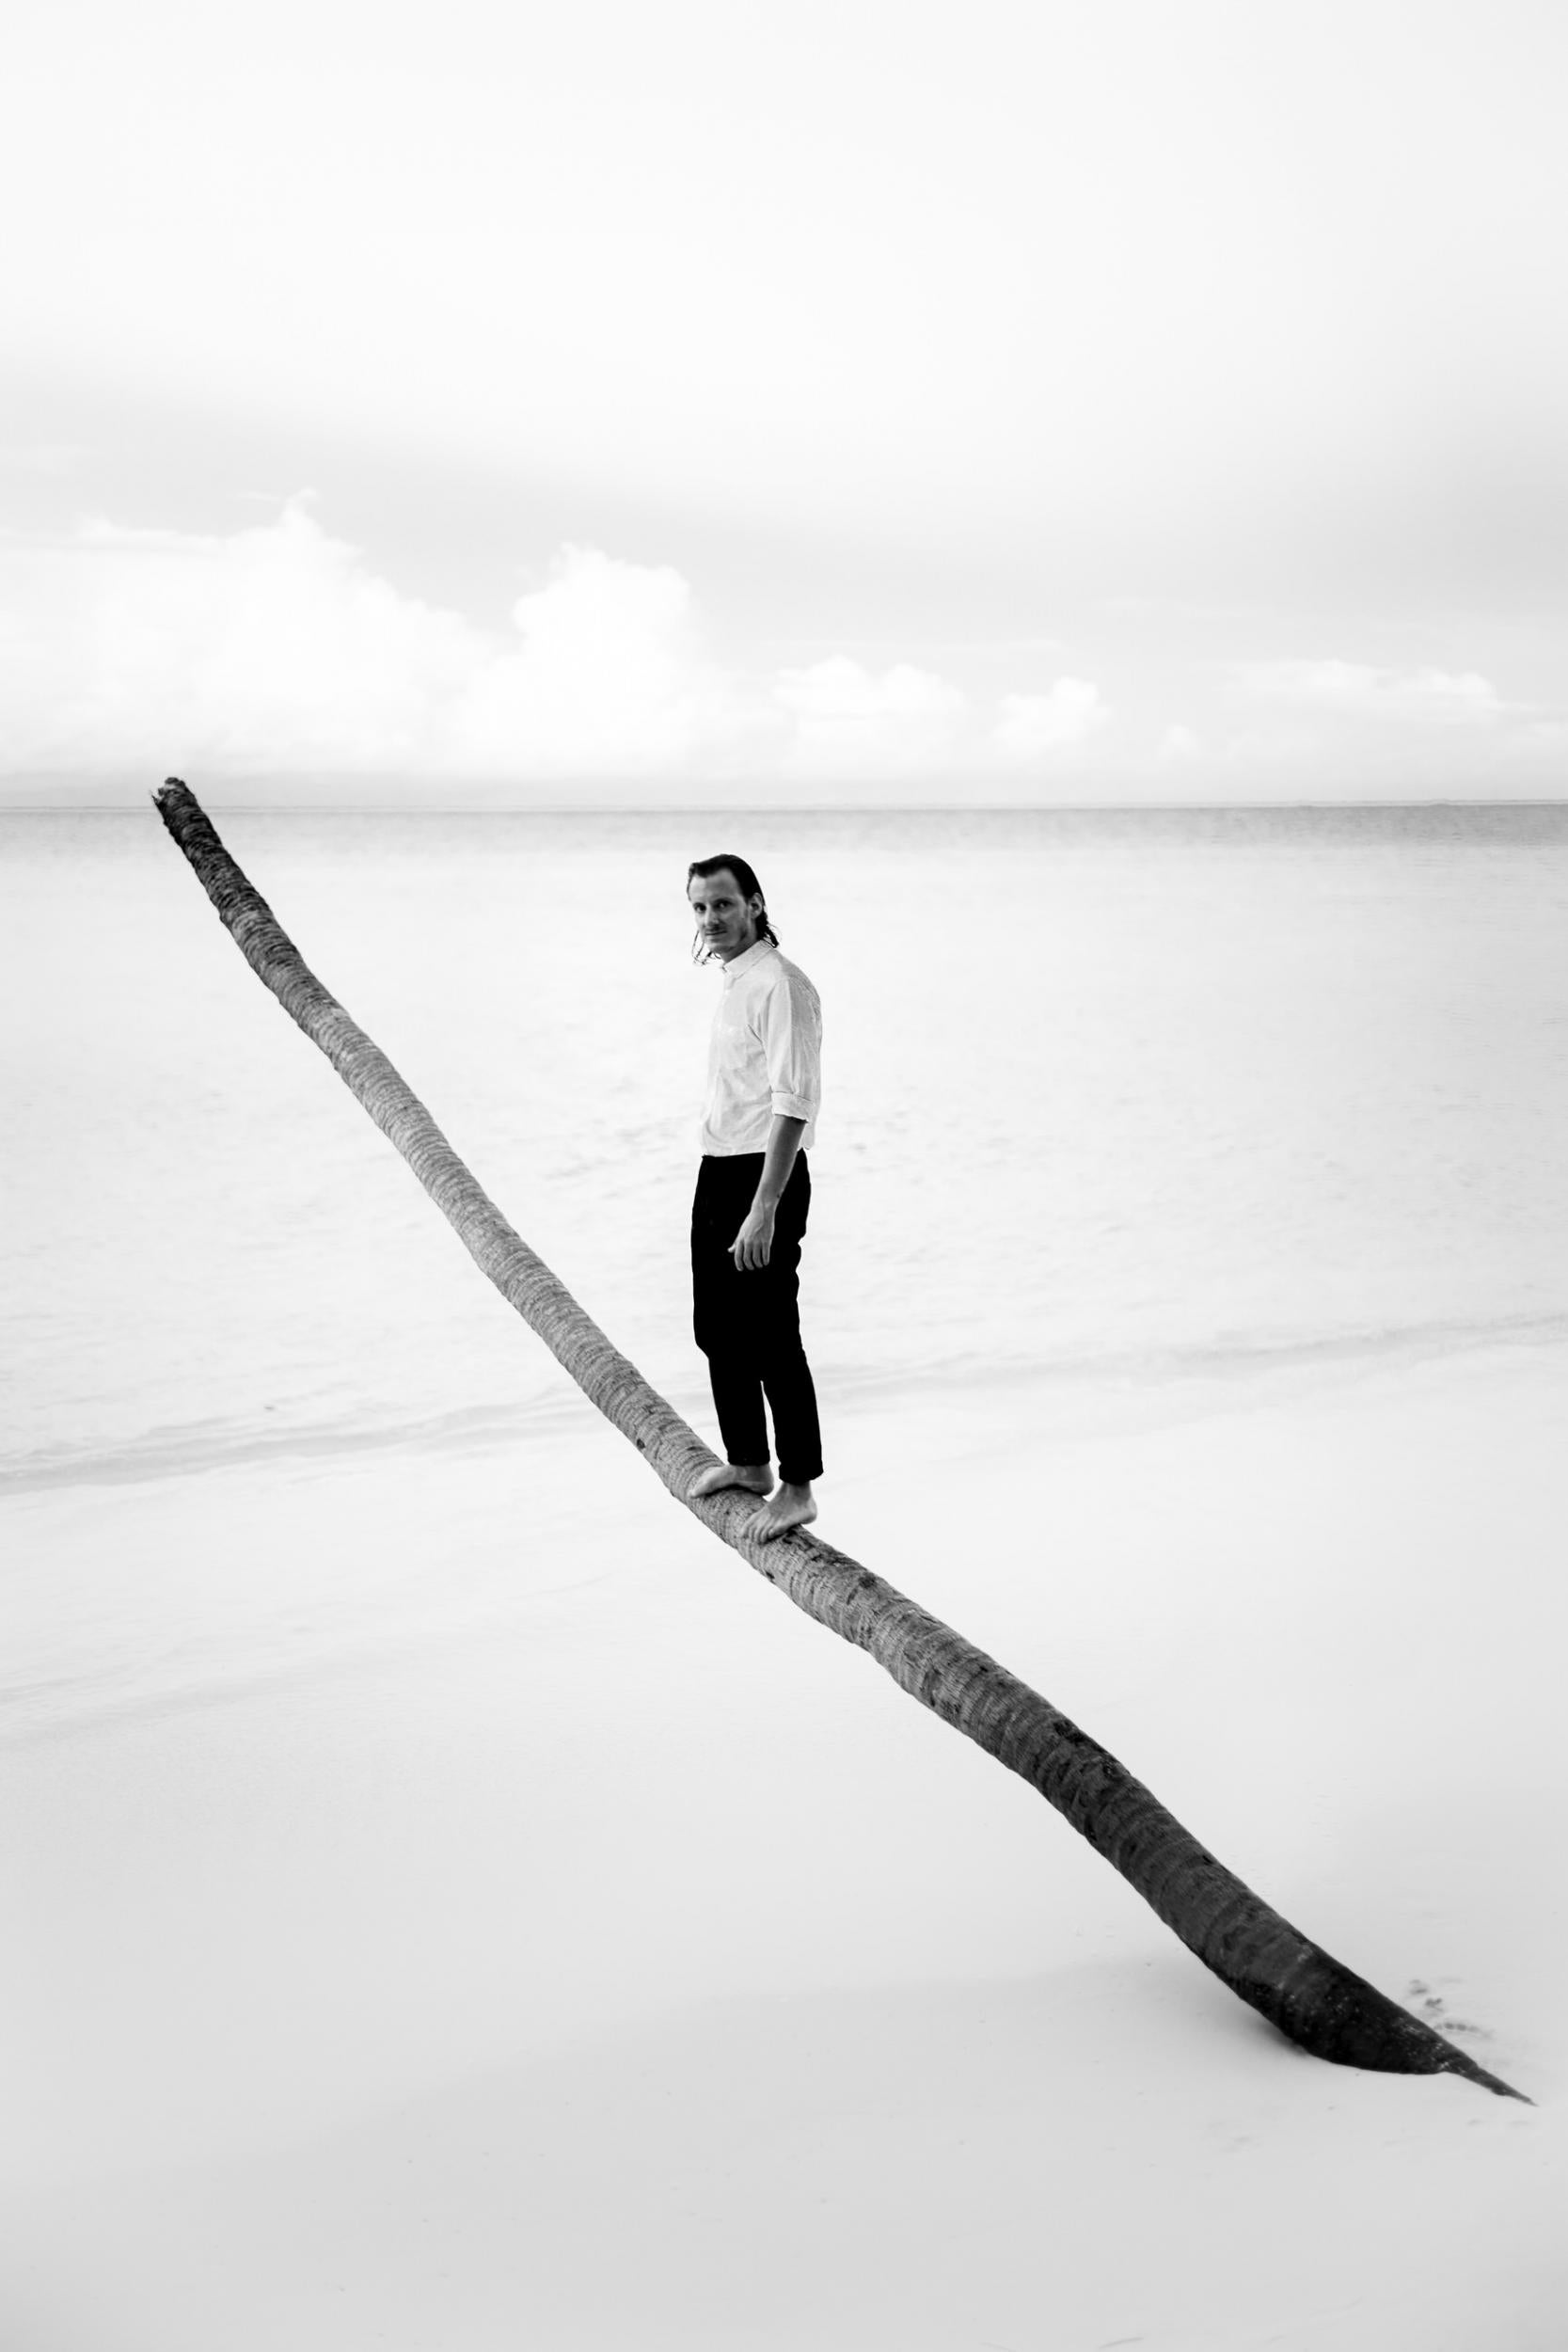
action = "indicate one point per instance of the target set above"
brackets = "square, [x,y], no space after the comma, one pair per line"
[728,922]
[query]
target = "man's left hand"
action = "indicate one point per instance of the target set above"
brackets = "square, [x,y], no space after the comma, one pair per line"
[752,1246]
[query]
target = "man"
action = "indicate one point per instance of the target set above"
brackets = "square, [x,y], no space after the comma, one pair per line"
[754,1192]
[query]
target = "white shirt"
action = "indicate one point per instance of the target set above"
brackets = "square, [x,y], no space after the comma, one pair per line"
[765,1054]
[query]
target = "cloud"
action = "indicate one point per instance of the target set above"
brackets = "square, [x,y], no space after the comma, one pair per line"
[612,676]
[1179,746]
[275,650]
[275,658]
[272,648]
[1354,690]
[1030,725]
[275,661]
[1349,730]
[848,720]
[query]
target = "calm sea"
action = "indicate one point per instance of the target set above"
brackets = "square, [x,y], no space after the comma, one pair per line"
[1109,1098]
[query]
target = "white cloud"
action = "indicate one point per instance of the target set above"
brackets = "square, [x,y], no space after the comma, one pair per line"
[273,660]
[1179,746]
[612,678]
[848,720]
[276,651]
[1028,725]
[275,657]
[1357,691]
[271,648]
[1337,730]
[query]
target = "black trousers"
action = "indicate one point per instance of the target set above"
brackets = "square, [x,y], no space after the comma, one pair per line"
[748,1324]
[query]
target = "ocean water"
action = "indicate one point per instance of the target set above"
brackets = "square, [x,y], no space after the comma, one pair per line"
[1109,1098]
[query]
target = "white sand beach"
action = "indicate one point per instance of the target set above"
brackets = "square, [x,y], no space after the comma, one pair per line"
[465,1907]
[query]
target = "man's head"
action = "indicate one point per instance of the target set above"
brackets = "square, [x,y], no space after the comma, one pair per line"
[726,899]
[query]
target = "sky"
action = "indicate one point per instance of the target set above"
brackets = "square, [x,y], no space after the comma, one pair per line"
[689,402]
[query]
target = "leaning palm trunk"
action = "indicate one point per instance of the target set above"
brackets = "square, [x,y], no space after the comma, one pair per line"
[1302,1990]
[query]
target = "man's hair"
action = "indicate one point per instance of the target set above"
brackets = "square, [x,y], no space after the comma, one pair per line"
[705,868]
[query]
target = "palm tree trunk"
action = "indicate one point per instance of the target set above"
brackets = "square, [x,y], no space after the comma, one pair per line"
[1297,1986]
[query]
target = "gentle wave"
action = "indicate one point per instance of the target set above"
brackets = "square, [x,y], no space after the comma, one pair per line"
[198,1449]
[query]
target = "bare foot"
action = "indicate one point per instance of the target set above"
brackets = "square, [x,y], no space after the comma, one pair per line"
[756,1478]
[791,1506]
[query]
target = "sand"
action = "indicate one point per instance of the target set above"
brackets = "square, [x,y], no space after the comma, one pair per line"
[454,1905]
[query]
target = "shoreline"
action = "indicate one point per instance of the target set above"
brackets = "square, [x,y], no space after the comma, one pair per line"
[1139,1383]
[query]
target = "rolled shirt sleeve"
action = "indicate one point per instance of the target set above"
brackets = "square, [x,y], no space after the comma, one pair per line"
[790,1026]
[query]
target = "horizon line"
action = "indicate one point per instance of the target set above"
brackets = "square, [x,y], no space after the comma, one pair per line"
[781,808]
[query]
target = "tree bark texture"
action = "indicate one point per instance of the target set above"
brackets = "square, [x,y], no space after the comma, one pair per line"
[1308,1996]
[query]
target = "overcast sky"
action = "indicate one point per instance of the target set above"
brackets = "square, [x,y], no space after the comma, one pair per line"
[660,402]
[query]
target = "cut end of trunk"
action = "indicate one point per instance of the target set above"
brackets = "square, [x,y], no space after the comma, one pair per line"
[1342,2018]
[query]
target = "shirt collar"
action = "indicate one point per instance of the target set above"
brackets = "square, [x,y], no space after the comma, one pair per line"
[737,964]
